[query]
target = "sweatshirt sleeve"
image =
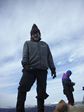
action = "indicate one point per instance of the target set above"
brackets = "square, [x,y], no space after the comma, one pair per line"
[25,55]
[50,60]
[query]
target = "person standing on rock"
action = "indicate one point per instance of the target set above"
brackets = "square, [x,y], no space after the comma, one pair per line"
[36,60]
[68,87]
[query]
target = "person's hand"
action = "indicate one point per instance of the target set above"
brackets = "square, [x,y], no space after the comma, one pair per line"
[73,84]
[53,73]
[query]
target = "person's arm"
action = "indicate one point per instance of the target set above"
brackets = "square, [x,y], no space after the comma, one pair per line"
[73,84]
[25,55]
[70,83]
[51,63]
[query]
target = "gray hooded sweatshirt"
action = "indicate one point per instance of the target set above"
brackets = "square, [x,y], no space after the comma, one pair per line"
[37,55]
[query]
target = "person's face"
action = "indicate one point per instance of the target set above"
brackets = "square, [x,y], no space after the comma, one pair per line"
[69,74]
[35,37]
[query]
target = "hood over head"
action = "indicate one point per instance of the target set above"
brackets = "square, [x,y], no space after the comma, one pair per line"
[35,33]
[67,74]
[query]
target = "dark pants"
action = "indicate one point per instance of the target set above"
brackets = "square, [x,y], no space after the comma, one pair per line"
[26,83]
[70,98]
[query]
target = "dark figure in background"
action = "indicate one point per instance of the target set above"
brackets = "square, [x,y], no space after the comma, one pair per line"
[83,88]
[68,87]
[37,58]
[83,96]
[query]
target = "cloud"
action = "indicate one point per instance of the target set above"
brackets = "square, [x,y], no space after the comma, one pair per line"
[9,100]
[61,24]
[77,53]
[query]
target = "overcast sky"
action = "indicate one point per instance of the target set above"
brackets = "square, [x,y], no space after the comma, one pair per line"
[62,26]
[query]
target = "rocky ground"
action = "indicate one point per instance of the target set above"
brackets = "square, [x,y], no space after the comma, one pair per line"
[79,107]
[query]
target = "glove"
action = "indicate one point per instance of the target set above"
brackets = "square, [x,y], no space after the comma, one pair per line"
[53,73]
[73,84]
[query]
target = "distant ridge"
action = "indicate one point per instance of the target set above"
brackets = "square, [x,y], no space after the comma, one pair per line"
[48,108]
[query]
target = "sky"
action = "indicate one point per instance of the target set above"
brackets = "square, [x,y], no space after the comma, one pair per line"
[61,23]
